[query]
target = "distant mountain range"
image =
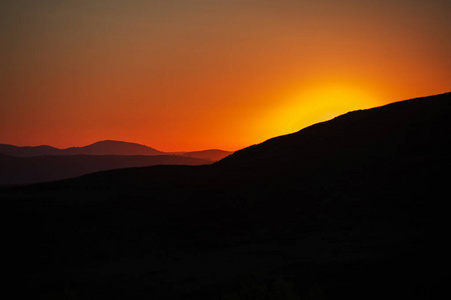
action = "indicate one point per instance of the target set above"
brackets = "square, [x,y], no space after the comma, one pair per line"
[107,147]
[19,165]
[352,208]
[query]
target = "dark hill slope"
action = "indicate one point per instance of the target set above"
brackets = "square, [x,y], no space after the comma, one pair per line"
[355,207]
[399,128]
[22,170]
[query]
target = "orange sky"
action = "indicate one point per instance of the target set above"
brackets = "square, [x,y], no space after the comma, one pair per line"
[189,75]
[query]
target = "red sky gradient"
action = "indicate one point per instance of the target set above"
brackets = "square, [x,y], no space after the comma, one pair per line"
[190,75]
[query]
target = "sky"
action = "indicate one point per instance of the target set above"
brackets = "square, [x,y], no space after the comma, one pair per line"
[181,75]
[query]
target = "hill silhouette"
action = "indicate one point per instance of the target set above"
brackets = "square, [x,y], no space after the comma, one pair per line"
[397,127]
[22,170]
[350,208]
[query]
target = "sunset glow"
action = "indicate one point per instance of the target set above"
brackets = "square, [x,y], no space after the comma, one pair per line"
[317,104]
[192,75]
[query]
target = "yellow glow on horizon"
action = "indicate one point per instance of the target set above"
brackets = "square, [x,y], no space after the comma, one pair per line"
[317,104]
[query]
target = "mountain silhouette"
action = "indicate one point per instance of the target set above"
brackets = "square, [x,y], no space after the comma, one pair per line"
[22,165]
[110,147]
[351,208]
[107,147]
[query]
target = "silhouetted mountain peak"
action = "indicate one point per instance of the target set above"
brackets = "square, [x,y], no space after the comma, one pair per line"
[111,147]
[115,142]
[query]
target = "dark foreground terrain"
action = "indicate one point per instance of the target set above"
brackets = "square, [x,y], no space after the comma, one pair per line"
[352,208]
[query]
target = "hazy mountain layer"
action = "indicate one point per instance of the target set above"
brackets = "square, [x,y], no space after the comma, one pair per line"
[107,147]
[19,165]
